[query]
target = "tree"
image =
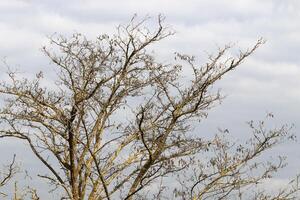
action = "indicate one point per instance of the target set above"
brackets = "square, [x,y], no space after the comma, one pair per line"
[6,175]
[118,123]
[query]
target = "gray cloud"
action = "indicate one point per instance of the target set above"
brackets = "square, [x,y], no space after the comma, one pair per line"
[267,81]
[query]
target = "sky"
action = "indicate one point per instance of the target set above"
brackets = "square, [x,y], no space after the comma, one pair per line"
[268,81]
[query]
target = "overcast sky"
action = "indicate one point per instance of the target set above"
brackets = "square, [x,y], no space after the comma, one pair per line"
[269,81]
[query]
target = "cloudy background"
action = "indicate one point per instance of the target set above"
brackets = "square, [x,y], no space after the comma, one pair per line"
[269,81]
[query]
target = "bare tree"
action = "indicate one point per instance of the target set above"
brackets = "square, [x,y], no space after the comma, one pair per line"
[7,173]
[234,171]
[117,123]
